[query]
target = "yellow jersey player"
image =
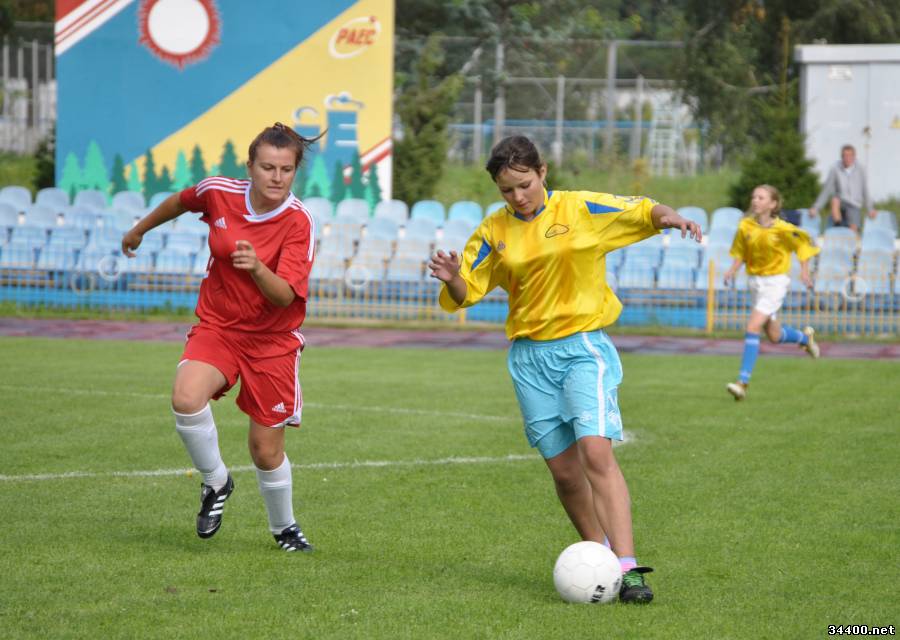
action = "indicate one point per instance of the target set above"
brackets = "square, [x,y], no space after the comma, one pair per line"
[547,250]
[764,243]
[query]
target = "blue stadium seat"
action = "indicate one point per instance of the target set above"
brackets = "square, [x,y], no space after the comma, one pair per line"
[132,201]
[60,257]
[466,210]
[91,198]
[459,227]
[33,236]
[878,239]
[53,198]
[81,218]
[353,208]
[174,261]
[183,241]
[840,237]
[375,247]
[157,199]
[636,276]
[452,242]
[875,269]
[682,255]
[71,236]
[722,237]
[190,221]
[18,255]
[404,269]
[38,215]
[726,217]
[395,210]
[152,241]
[494,206]
[430,210]
[201,262]
[675,276]
[336,245]
[811,224]
[885,219]
[106,238]
[321,209]
[695,214]
[424,228]
[17,196]
[141,263]
[366,268]
[9,218]
[413,247]
[328,267]
[615,259]
[382,228]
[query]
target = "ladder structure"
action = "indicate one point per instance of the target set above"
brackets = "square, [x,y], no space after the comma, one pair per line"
[665,143]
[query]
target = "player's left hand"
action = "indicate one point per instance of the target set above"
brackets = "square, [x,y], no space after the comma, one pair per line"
[244,257]
[687,227]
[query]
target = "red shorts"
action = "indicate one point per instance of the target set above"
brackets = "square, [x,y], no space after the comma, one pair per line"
[267,365]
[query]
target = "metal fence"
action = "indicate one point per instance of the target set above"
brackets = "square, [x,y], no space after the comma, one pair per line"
[28,93]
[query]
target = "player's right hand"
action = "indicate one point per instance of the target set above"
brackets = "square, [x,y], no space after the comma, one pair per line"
[444,266]
[131,241]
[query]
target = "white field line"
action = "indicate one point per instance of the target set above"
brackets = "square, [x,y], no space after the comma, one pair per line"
[306,405]
[358,464]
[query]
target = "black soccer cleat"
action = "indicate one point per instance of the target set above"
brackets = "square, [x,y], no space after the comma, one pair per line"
[212,503]
[292,539]
[634,589]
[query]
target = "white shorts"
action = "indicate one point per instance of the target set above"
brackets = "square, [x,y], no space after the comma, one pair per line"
[768,292]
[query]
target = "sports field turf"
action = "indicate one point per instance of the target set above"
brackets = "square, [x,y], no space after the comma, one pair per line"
[772,518]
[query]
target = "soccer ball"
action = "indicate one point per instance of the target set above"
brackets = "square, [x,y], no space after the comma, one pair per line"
[587,572]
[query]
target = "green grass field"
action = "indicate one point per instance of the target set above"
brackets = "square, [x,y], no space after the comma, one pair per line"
[432,519]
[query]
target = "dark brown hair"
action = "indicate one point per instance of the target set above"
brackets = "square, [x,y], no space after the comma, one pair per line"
[281,136]
[514,152]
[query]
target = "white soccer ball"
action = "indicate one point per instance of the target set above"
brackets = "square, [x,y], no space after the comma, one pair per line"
[587,572]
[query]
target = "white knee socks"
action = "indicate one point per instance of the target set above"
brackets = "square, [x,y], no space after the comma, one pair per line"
[198,432]
[275,487]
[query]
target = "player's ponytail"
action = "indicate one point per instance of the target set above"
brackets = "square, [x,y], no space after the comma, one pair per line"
[281,137]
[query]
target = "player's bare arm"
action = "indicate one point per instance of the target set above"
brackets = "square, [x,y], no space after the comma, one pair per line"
[168,209]
[275,288]
[445,267]
[665,217]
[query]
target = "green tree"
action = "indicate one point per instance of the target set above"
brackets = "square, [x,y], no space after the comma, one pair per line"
[198,168]
[45,162]
[356,188]
[182,178]
[229,165]
[94,175]
[299,184]
[164,183]
[424,107]
[338,184]
[70,181]
[134,178]
[150,178]
[117,180]
[318,184]
[373,188]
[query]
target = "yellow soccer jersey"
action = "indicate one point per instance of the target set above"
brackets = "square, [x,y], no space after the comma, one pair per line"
[766,251]
[553,267]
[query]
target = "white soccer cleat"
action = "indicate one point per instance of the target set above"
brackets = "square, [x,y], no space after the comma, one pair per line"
[810,347]
[737,389]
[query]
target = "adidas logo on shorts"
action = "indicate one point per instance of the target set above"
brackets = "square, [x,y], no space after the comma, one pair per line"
[220,222]
[279,408]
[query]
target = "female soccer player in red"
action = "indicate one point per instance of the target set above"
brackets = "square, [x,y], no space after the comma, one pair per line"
[548,249]
[251,305]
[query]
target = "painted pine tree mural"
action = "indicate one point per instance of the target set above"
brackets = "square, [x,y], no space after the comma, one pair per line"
[318,184]
[150,178]
[182,177]
[70,181]
[94,175]
[229,165]
[117,180]
[134,179]
[356,188]
[198,167]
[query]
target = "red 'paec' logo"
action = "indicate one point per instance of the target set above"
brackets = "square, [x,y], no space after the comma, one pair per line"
[354,37]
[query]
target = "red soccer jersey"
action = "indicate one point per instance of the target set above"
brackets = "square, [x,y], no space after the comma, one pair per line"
[283,239]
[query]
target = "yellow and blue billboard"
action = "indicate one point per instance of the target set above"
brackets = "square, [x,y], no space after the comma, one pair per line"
[155,95]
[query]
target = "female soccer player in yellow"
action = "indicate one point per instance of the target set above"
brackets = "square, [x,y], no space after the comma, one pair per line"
[547,250]
[764,243]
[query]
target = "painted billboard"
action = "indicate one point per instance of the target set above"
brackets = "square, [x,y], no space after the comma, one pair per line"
[155,95]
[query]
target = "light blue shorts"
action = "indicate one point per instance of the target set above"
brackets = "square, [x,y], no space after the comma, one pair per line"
[567,389]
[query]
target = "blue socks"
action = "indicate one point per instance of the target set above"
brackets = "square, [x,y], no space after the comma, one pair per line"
[751,350]
[789,334]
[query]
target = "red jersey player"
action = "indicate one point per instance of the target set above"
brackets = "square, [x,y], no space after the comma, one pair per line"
[252,303]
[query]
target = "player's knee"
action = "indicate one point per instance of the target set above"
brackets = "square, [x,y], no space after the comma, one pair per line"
[569,483]
[187,401]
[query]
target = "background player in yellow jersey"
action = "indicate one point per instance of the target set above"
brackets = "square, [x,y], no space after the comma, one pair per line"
[548,251]
[764,243]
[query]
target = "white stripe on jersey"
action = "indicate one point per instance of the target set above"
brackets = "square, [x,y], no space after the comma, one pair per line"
[312,226]
[214,187]
[231,182]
